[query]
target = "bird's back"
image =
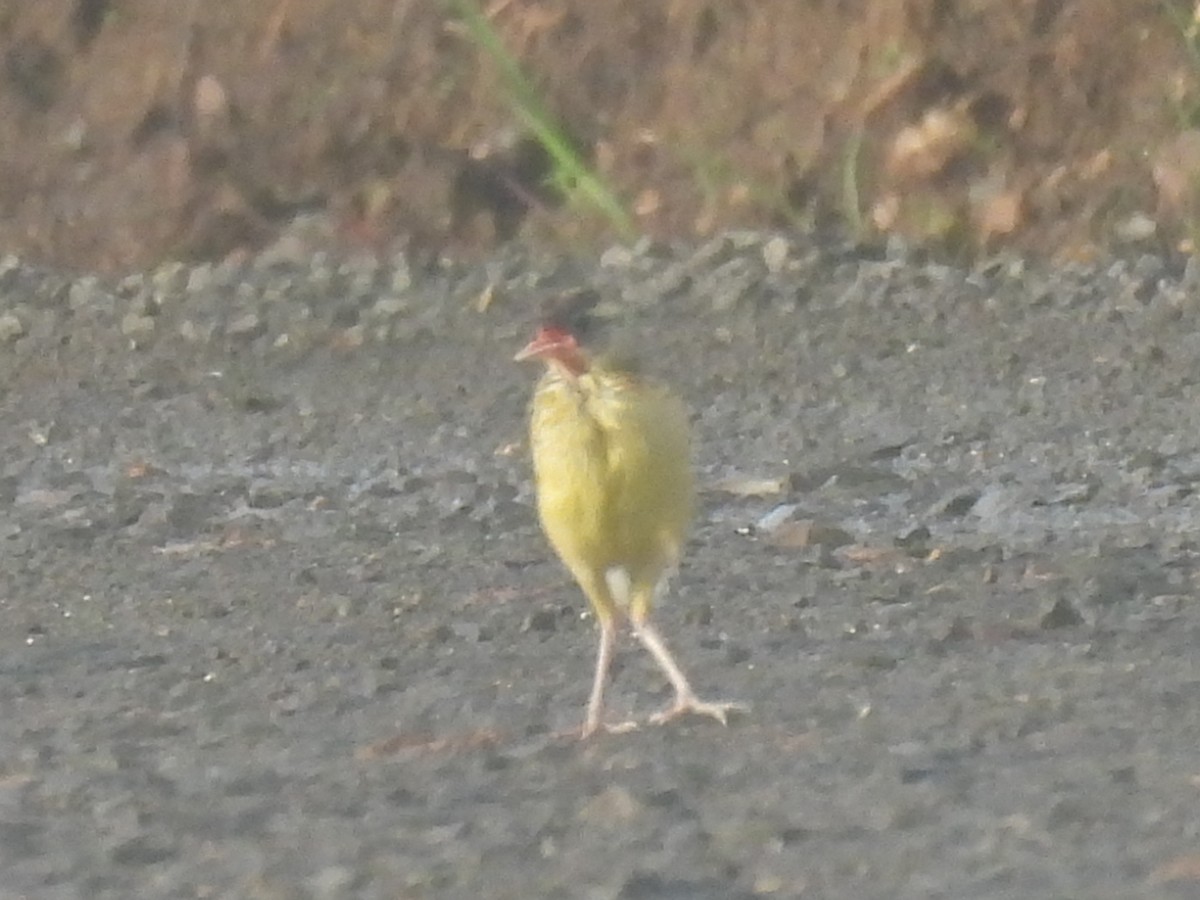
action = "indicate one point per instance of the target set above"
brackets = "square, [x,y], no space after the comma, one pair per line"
[614,482]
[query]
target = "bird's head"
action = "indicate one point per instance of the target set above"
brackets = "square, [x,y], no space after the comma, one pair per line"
[566,323]
[555,345]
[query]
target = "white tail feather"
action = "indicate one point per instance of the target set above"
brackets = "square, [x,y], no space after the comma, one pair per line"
[620,585]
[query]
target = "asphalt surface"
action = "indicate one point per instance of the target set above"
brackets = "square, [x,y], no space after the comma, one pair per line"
[278,621]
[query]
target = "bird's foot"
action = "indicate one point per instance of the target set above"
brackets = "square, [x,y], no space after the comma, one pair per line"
[590,728]
[690,703]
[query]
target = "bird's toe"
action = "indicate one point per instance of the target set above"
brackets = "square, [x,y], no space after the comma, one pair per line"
[718,710]
[590,729]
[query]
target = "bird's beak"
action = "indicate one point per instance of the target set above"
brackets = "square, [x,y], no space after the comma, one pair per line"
[535,348]
[557,348]
[547,344]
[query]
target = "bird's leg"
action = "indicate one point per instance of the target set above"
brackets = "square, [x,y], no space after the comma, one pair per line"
[595,707]
[685,698]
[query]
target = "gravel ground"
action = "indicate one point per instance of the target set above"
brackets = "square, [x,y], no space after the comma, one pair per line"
[279,622]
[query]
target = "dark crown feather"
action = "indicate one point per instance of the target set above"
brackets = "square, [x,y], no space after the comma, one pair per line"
[572,312]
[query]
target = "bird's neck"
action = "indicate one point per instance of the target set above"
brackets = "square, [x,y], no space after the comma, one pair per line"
[569,365]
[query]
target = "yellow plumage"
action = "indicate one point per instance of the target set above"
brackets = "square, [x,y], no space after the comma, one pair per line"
[614,487]
[614,482]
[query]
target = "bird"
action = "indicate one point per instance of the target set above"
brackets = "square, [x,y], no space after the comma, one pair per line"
[614,489]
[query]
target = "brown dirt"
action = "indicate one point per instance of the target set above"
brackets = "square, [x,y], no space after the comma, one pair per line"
[135,130]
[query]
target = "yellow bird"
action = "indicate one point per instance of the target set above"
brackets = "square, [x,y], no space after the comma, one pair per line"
[614,492]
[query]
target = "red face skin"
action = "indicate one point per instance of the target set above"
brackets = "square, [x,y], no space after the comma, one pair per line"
[556,346]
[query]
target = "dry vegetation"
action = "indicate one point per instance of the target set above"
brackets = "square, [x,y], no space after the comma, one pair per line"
[136,130]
